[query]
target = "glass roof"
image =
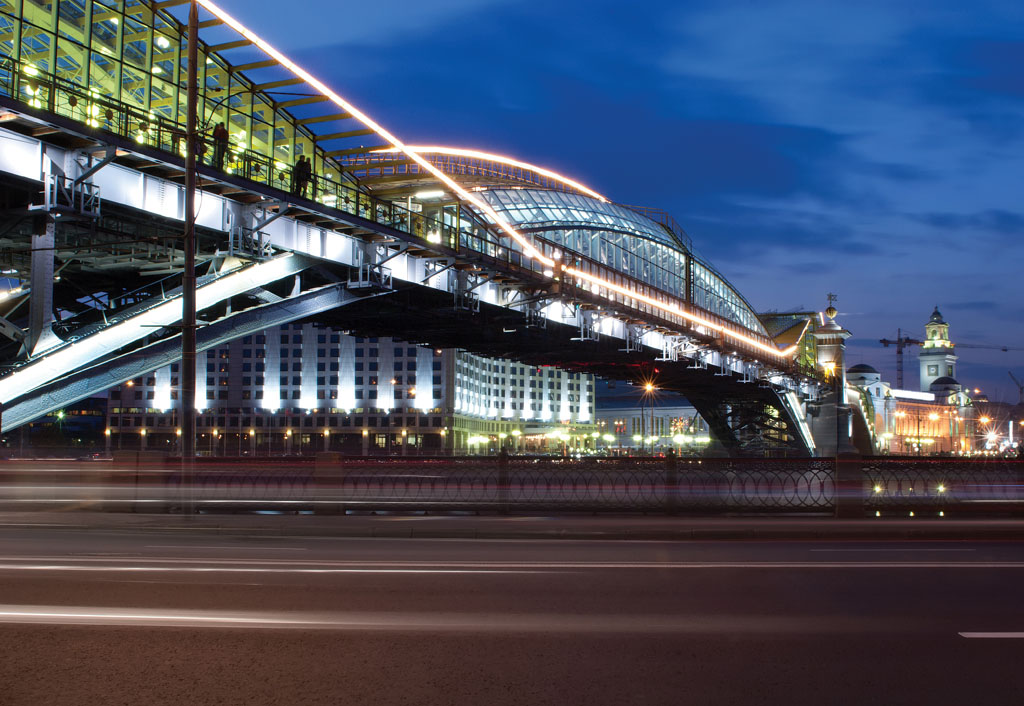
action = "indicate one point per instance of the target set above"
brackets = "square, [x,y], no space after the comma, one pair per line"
[538,207]
[654,259]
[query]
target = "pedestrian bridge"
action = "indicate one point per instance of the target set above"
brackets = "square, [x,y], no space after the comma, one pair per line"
[445,246]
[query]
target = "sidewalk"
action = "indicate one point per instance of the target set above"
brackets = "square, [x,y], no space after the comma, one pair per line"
[602,527]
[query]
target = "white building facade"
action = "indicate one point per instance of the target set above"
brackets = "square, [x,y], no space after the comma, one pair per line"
[304,388]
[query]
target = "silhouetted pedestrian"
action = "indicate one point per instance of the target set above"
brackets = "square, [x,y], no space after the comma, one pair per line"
[303,172]
[220,145]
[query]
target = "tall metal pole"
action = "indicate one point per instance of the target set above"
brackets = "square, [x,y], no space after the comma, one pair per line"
[188,299]
[650,402]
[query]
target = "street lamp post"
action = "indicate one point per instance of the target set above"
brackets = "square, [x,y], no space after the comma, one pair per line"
[188,284]
[649,390]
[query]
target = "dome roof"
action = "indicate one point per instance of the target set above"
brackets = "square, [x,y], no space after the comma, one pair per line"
[607,231]
[945,380]
[862,368]
[936,317]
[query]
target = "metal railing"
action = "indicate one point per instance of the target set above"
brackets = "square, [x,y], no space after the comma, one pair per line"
[890,486]
[940,483]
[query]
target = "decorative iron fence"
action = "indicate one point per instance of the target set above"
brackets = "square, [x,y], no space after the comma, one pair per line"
[907,483]
[636,485]
[333,484]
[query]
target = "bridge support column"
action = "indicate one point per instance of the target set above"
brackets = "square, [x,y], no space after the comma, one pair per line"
[41,335]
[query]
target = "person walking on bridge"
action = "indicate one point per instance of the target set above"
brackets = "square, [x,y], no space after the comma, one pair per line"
[302,172]
[220,145]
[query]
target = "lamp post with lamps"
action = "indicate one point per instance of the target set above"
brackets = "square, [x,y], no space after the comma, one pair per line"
[648,396]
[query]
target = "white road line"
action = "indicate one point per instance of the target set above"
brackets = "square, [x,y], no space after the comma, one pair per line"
[906,549]
[993,635]
[231,547]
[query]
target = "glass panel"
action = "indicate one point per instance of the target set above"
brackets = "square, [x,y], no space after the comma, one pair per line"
[72,62]
[162,100]
[214,111]
[134,86]
[11,7]
[42,14]
[165,57]
[284,134]
[216,75]
[262,127]
[8,36]
[136,43]
[106,27]
[139,11]
[36,48]
[103,76]
[72,21]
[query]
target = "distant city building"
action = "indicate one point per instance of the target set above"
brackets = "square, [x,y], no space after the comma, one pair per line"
[630,422]
[938,419]
[304,388]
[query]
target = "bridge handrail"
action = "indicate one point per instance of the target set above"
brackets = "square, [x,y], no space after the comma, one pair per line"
[75,102]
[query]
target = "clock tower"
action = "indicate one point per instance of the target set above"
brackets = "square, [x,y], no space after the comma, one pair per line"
[936,358]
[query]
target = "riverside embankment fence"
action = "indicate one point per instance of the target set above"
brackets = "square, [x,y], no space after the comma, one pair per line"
[330,483]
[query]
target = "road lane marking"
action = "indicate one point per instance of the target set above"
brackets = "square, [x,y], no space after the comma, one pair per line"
[905,549]
[231,547]
[993,635]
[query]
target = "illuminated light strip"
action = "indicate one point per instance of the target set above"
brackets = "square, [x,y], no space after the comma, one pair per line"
[477,154]
[674,309]
[528,248]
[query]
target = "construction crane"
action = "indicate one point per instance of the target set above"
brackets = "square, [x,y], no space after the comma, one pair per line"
[902,342]
[1020,387]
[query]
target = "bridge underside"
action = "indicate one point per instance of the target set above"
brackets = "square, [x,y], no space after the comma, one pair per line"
[745,418]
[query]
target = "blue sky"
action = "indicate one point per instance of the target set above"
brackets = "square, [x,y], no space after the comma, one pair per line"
[871,149]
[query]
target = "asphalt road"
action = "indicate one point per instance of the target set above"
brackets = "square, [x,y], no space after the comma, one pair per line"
[115,618]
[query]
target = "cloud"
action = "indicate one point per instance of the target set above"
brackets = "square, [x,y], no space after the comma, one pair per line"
[995,220]
[971,306]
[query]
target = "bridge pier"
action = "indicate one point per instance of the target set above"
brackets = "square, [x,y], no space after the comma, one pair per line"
[41,336]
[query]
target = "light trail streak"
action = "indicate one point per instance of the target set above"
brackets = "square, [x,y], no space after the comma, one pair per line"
[501,159]
[416,621]
[679,311]
[283,566]
[529,249]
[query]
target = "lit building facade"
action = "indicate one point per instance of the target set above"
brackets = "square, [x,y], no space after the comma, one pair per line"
[938,419]
[643,429]
[305,388]
[133,54]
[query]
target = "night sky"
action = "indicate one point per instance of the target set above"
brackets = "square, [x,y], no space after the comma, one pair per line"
[871,149]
